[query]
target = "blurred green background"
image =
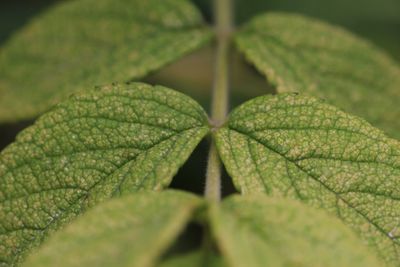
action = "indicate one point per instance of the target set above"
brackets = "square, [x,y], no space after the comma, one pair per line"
[375,20]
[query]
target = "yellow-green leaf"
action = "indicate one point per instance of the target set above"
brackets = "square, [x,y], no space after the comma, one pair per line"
[78,44]
[106,142]
[300,54]
[130,231]
[299,147]
[260,231]
[197,258]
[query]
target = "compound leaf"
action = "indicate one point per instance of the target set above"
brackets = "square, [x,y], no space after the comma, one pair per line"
[79,44]
[302,148]
[130,231]
[260,231]
[117,139]
[301,54]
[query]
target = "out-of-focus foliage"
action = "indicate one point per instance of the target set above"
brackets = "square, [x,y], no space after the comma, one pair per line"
[300,54]
[260,231]
[133,231]
[377,20]
[79,44]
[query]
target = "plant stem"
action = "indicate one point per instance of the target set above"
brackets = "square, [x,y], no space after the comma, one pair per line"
[219,108]
[213,176]
[223,19]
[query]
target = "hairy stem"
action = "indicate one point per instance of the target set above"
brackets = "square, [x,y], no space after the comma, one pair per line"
[213,176]
[223,20]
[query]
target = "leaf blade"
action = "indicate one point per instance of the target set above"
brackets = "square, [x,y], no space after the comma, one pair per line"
[130,231]
[112,141]
[196,258]
[80,44]
[299,147]
[261,231]
[300,54]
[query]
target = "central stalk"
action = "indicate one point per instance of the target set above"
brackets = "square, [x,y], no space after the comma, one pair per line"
[219,108]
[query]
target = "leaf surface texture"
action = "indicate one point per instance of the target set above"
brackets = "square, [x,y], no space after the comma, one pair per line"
[96,145]
[299,147]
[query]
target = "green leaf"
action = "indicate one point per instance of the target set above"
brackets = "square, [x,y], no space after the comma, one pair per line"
[130,231]
[260,231]
[194,259]
[79,44]
[306,55]
[299,147]
[117,139]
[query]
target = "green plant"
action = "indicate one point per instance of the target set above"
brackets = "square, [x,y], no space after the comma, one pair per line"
[124,141]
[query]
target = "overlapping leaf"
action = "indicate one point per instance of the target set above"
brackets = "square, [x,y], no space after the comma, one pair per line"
[78,44]
[194,259]
[302,148]
[260,232]
[130,231]
[117,139]
[299,54]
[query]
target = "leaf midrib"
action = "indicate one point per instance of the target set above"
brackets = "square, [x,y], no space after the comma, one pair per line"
[381,230]
[87,194]
[116,169]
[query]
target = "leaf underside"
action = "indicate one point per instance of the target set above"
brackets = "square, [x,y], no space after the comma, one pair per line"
[300,54]
[299,147]
[116,139]
[76,45]
[130,231]
[261,232]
